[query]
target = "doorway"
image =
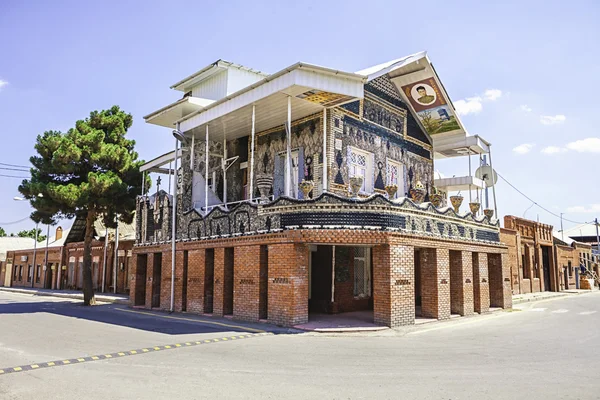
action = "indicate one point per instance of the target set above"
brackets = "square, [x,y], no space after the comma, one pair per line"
[546,266]
[418,285]
[48,276]
[228,282]
[156,279]
[185,281]
[263,300]
[320,280]
[209,277]
[139,294]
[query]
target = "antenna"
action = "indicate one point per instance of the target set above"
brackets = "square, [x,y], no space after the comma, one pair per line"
[487,174]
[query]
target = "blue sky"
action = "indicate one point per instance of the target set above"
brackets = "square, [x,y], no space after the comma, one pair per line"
[523,74]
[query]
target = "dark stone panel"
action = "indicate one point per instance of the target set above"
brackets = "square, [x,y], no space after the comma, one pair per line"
[352,107]
[413,129]
[343,218]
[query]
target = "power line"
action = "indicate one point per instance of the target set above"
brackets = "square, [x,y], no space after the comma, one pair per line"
[14,176]
[15,169]
[14,222]
[537,204]
[14,165]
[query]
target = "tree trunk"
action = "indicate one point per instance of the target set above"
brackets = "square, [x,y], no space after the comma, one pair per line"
[88,289]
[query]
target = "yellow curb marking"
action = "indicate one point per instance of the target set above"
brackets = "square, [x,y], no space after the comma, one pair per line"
[51,364]
[66,362]
[145,350]
[34,366]
[157,348]
[188,344]
[195,320]
[108,355]
[17,369]
[177,345]
[167,347]
[121,354]
[95,358]
[1,371]
[81,359]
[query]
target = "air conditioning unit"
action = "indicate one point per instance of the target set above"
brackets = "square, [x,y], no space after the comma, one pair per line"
[23,258]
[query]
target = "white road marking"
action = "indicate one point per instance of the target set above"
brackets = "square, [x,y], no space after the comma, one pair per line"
[587,312]
[537,309]
[560,311]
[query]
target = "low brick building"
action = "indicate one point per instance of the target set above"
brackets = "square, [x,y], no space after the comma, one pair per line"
[280,217]
[63,268]
[531,254]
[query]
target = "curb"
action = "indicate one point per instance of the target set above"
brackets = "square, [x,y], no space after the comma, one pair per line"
[100,298]
[537,298]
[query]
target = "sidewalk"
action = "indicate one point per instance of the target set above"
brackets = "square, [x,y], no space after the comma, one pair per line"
[70,294]
[524,298]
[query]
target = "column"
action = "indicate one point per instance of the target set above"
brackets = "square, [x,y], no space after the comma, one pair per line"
[499,277]
[149,279]
[461,282]
[394,285]
[178,303]
[435,281]
[219,279]
[288,284]
[481,288]
[195,288]
[246,285]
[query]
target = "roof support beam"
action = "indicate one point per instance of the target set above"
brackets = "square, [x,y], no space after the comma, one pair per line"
[288,154]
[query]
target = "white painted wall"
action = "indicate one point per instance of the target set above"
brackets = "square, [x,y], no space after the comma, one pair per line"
[214,88]
[238,79]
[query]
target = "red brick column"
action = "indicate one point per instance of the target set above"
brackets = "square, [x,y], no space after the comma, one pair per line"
[435,281]
[481,288]
[219,287]
[178,303]
[165,285]
[461,282]
[500,287]
[149,278]
[393,285]
[288,284]
[195,289]
[246,285]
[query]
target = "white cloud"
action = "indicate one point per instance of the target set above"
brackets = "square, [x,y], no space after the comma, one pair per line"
[472,105]
[492,94]
[553,150]
[594,208]
[589,145]
[2,83]
[552,119]
[523,148]
[526,108]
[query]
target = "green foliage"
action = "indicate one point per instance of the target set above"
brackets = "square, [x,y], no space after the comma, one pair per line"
[91,168]
[2,232]
[31,233]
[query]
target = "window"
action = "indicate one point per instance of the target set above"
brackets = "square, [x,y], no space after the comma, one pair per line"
[360,165]
[16,272]
[362,272]
[20,273]
[29,273]
[38,274]
[395,176]
[570,269]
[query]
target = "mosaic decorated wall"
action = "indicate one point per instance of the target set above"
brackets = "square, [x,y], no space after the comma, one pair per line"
[381,125]
[307,139]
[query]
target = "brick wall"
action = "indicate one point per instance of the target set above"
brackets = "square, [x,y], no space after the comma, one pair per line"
[247,260]
[435,283]
[499,276]
[288,284]
[461,282]
[393,281]
[196,281]
[481,288]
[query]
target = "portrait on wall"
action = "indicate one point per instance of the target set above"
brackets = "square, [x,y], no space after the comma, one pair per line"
[424,94]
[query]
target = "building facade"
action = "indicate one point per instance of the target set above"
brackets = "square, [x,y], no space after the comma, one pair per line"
[531,254]
[290,208]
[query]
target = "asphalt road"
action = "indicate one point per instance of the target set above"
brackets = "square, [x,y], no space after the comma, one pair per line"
[547,350]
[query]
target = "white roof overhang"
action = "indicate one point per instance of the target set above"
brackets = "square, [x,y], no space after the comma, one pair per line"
[459,183]
[167,115]
[156,164]
[456,146]
[437,117]
[310,87]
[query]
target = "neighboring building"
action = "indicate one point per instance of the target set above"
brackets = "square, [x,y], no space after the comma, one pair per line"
[8,243]
[63,270]
[252,244]
[531,255]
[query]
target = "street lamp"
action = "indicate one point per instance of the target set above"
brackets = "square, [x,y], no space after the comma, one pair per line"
[17,198]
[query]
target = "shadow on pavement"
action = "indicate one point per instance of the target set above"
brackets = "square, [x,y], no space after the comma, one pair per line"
[153,321]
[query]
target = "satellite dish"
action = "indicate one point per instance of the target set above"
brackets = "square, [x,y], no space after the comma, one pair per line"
[487,175]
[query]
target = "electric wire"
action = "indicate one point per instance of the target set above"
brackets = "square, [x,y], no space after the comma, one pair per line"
[15,165]
[14,176]
[539,205]
[14,222]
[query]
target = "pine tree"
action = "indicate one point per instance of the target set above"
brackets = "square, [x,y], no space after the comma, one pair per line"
[91,171]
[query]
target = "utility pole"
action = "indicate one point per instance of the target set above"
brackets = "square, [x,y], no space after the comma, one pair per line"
[562,232]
